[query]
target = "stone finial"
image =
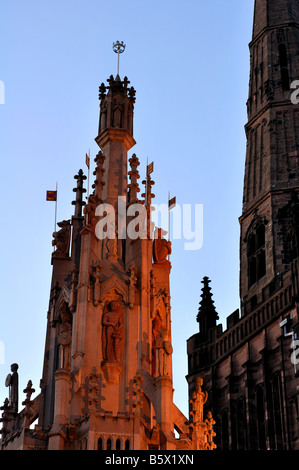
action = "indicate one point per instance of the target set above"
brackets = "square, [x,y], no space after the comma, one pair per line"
[5,418]
[148,195]
[29,390]
[134,176]
[137,392]
[93,390]
[99,173]
[79,190]
[209,432]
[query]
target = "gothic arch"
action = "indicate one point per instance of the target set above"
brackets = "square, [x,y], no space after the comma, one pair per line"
[61,303]
[116,286]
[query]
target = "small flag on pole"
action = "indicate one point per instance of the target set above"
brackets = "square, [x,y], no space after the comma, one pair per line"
[150,168]
[171,203]
[87,160]
[51,196]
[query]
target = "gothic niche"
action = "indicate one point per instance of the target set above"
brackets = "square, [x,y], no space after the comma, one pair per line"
[112,336]
[64,338]
[157,325]
[163,349]
[117,116]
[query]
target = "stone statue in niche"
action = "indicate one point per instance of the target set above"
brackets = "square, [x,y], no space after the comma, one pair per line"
[162,247]
[89,211]
[117,116]
[111,247]
[163,350]
[64,341]
[156,328]
[62,238]
[112,333]
[198,400]
[103,121]
[12,381]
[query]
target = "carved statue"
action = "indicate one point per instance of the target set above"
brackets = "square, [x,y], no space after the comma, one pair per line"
[163,350]
[103,120]
[117,115]
[64,341]
[111,246]
[89,210]
[156,328]
[198,400]
[162,247]
[12,381]
[112,334]
[62,238]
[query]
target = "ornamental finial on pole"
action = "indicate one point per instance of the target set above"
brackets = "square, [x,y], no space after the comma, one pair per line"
[118,48]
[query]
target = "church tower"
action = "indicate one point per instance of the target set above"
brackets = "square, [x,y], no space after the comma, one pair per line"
[250,370]
[272,158]
[107,379]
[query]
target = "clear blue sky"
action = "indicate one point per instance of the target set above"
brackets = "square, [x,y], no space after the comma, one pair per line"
[189,63]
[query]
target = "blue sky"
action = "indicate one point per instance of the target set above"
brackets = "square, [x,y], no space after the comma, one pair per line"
[189,63]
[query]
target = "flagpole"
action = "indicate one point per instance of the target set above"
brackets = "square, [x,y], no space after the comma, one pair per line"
[146,181]
[55,209]
[168,217]
[88,173]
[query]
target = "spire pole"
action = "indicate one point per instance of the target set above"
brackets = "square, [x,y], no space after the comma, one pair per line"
[55,221]
[118,48]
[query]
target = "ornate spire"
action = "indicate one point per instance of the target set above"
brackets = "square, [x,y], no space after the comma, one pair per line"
[116,105]
[207,315]
[99,173]
[134,176]
[79,190]
[148,195]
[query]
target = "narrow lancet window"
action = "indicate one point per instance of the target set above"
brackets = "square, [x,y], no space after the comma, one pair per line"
[256,255]
[283,60]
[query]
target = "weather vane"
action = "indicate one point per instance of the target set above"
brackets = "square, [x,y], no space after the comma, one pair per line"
[118,48]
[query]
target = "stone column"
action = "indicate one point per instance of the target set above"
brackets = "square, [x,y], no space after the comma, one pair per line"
[62,392]
[164,404]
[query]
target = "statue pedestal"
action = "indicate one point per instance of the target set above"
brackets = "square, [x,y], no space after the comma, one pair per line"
[111,372]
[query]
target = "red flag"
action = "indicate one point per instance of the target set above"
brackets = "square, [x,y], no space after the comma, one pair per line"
[150,168]
[172,203]
[51,196]
[87,161]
